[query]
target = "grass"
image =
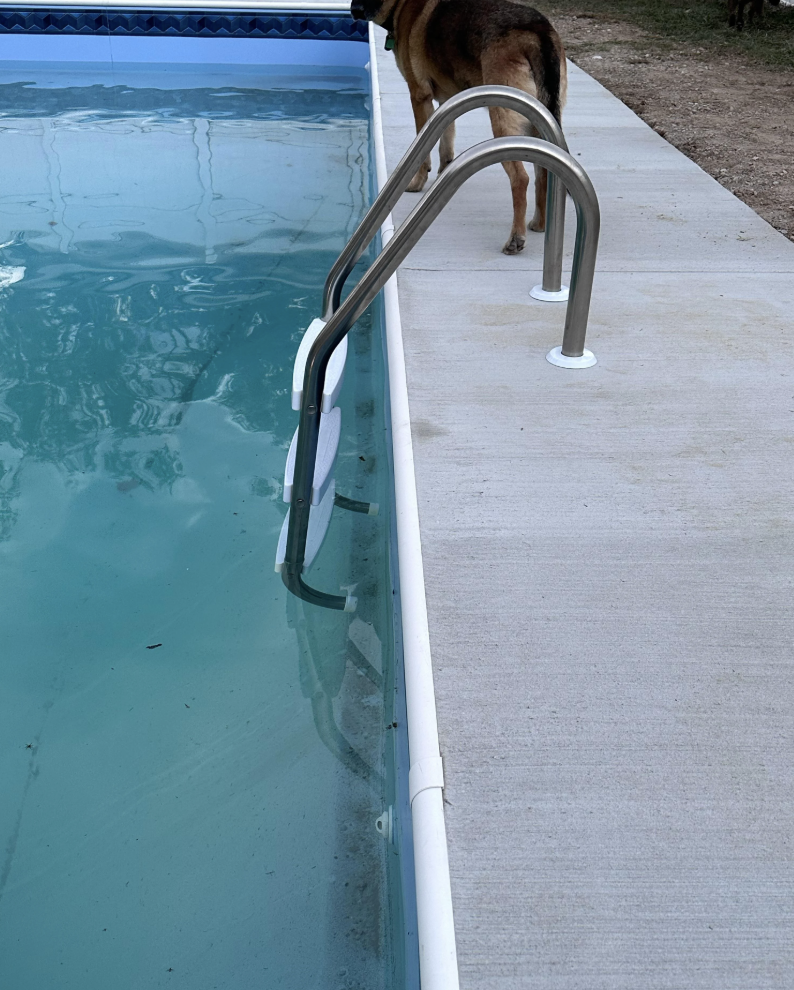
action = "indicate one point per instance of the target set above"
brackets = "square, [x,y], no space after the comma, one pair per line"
[699,22]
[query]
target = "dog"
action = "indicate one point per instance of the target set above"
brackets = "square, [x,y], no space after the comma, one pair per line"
[736,11]
[445,46]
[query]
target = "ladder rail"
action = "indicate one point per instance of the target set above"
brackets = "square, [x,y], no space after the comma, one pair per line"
[588,222]
[471,99]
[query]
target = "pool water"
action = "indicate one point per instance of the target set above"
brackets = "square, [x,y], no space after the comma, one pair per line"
[191,761]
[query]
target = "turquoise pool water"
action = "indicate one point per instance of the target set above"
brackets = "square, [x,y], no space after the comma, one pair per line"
[191,762]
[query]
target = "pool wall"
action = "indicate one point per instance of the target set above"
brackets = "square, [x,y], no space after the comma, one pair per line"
[182,17]
[192,51]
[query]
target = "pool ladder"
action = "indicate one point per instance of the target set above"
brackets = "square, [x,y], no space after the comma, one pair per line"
[319,366]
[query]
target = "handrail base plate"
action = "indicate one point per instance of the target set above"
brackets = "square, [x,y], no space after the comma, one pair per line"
[559,360]
[544,295]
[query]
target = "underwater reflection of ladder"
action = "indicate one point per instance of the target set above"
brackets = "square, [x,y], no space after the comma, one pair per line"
[321,365]
[322,672]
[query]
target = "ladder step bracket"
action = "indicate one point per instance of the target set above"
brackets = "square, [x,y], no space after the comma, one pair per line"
[352,505]
[327,447]
[319,521]
[334,374]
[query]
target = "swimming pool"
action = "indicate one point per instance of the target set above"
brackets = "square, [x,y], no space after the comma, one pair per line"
[193,761]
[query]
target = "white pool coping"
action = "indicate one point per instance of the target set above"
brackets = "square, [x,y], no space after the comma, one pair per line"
[438,964]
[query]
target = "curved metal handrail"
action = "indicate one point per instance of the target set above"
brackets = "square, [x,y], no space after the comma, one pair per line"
[588,222]
[470,99]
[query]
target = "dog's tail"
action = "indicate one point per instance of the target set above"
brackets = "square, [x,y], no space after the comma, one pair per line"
[545,63]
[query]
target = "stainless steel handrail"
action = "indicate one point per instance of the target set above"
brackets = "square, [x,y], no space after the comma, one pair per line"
[588,222]
[471,99]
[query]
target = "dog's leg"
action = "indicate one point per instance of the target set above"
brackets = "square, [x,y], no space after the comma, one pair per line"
[422,106]
[506,123]
[538,221]
[446,149]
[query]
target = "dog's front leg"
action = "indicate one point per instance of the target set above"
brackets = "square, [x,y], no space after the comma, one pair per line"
[422,105]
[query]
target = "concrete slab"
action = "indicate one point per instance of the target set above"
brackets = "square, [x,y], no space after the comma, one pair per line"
[609,573]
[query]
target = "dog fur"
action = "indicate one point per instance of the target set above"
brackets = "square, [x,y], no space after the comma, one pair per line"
[445,46]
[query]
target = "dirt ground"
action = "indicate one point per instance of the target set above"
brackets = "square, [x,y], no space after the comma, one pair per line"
[733,117]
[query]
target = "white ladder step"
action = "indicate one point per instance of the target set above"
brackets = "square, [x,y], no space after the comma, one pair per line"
[327,446]
[319,520]
[334,373]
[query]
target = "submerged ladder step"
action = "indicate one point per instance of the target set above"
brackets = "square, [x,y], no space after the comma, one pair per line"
[327,446]
[334,374]
[319,520]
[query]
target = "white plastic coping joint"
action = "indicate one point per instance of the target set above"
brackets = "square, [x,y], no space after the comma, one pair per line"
[438,962]
[425,774]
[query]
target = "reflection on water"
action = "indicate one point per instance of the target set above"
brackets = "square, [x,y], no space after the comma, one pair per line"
[149,243]
[100,363]
[191,764]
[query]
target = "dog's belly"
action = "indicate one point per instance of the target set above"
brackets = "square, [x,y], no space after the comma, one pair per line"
[444,86]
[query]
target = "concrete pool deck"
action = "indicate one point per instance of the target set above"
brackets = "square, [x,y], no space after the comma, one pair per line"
[609,557]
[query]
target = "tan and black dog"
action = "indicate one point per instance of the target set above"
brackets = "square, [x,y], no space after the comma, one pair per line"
[445,46]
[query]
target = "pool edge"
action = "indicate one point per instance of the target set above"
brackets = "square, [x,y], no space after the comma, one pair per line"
[438,966]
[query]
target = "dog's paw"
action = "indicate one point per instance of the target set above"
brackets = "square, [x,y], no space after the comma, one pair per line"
[537,225]
[515,245]
[417,184]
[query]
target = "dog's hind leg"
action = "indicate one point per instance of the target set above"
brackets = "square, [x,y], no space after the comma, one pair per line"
[422,106]
[506,123]
[538,221]
[446,148]
[510,66]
